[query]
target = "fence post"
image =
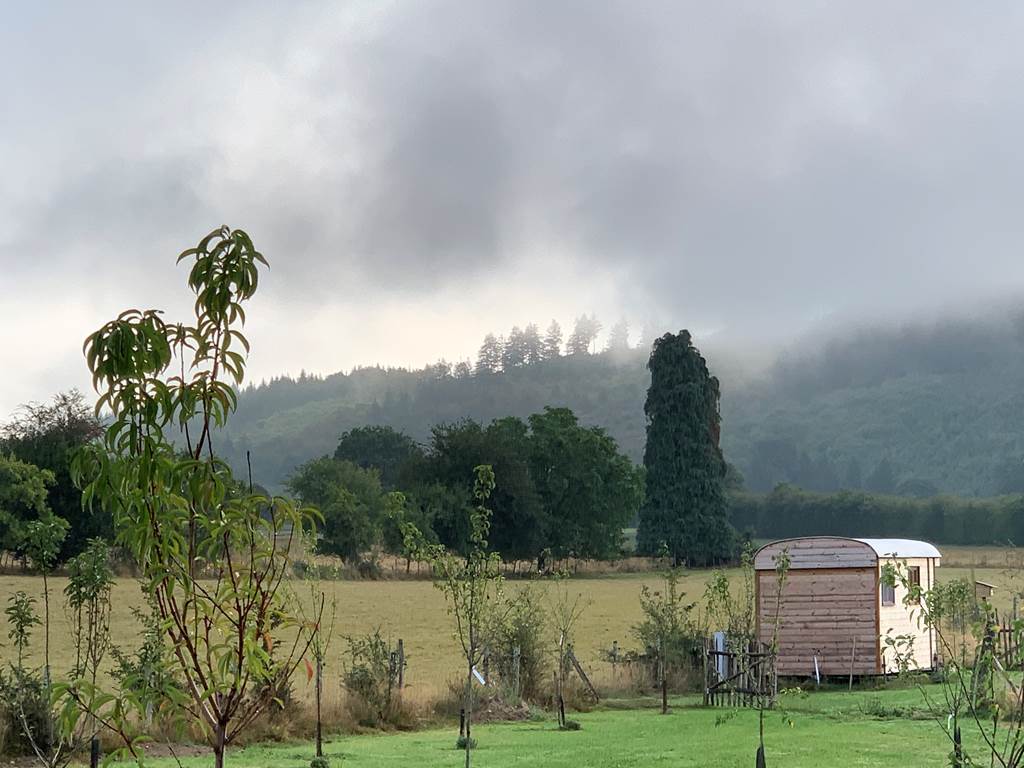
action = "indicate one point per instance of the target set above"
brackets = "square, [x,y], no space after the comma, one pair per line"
[401,664]
[515,672]
[462,722]
[94,753]
[661,675]
[853,657]
[707,686]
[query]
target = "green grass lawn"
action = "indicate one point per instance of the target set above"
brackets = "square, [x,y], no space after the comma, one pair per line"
[869,728]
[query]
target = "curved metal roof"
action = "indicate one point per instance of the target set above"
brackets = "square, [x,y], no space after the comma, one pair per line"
[902,548]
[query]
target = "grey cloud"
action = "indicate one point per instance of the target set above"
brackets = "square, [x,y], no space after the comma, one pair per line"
[739,164]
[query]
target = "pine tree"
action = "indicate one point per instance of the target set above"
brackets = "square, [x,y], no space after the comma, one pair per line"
[584,335]
[513,353]
[488,359]
[685,507]
[618,338]
[552,346]
[533,347]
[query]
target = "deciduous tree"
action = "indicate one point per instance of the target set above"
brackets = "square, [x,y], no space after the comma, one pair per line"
[212,553]
[471,584]
[47,435]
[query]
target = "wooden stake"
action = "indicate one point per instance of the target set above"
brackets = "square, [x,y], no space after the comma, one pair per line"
[853,656]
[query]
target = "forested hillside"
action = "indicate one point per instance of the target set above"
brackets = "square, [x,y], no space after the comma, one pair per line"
[912,410]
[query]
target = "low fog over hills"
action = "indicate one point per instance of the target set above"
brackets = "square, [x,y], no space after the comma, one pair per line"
[916,409]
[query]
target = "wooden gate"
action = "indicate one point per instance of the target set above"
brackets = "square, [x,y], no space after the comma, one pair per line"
[739,677]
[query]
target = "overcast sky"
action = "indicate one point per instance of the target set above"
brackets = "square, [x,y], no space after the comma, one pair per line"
[420,173]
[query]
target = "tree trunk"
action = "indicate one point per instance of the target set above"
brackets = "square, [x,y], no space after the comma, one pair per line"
[46,631]
[469,712]
[220,739]
[319,722]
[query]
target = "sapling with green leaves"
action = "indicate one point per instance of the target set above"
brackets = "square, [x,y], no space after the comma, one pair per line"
[764,703]
[321,628]
[732,608]
[24,693]
[565,607]
[212,553]
[87,603]
[470,584]
[42,541]
[670,632]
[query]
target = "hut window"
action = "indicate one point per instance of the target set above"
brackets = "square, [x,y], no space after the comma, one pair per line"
[914,578]
[888,594]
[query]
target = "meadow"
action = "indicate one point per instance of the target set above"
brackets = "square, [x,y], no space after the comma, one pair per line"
[412,609]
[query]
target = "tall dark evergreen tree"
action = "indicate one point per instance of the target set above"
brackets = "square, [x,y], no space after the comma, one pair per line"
[685,507]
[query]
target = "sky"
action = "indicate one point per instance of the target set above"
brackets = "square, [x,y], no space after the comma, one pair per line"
[421,173]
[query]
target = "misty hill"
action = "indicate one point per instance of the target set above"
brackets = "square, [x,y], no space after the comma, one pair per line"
[914,410]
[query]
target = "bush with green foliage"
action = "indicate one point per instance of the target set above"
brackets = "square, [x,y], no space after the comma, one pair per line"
[24,693]
[515,636]
[670,632]
[23,499]
[371,679]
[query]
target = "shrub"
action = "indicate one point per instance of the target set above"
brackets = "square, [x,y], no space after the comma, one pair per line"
[514,635]
[668,633]
[146,673]
[319,762]
[460,743]
[25,704]
[371,679]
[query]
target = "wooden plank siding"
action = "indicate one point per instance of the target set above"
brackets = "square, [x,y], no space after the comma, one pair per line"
[821,612]
[817,552]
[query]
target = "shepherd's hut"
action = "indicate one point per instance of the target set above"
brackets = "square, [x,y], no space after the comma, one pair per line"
[835,614]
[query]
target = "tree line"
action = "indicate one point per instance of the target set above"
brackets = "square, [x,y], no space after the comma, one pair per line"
[526,346]
[788,511]
[562,489]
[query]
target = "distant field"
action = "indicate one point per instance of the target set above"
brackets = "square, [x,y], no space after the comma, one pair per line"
[412,610]
[416,611]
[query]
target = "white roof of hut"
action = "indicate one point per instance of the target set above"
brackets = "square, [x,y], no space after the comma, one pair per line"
[902,548]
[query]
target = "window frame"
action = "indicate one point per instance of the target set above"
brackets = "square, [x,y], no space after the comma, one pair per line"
[914,578]
[888,595]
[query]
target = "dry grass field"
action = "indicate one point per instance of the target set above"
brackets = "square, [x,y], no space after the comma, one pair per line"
[416,612]
[409,609]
